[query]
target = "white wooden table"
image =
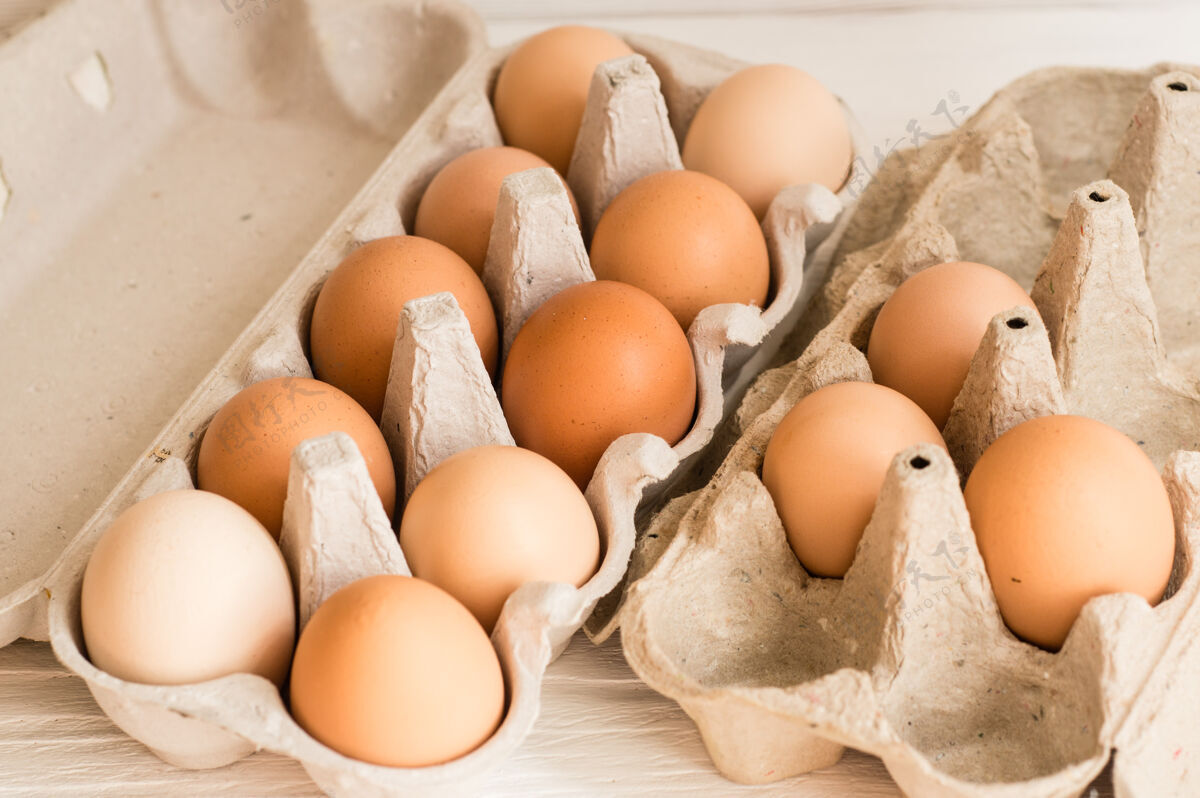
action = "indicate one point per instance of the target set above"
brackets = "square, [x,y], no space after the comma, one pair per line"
[602,732]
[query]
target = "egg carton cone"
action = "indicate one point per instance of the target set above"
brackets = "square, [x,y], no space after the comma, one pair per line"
[907,657]
[440,401]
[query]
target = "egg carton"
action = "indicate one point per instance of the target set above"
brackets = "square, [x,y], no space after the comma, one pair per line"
[907,657]
[439,401]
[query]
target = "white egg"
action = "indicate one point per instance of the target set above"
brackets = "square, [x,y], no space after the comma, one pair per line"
[187,586]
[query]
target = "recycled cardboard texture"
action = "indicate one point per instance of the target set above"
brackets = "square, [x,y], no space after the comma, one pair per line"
[907,657]
[437,402]
[534,235]
[166,171]
[642,145]
[444,400]
[328,483]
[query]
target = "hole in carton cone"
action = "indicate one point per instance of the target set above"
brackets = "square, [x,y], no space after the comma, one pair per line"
[1017,324]
[1096,196]
[918,462]
[92,83]
[1177,86]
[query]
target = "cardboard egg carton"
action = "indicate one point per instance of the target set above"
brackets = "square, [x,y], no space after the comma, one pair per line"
[1083,185]
[440,401]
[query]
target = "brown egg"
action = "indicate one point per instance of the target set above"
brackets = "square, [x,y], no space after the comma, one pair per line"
[542,89]
[393,671]
[246,452]
[354,321]
[595,362]
[925,335]
[1066,508]
[827,460]
[685,238]
[767,127]
[489,519]
[459,205]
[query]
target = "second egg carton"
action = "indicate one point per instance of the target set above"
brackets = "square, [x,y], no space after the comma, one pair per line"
[1083,184]
[440,401]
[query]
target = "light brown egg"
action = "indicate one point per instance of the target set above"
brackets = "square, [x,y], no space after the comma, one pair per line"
[767,127]
[925,335]
[489,519]
[393,671]
[595,362]
[542,89]
[827,460]
[685,238]
[246,452]
[458,207]
[1066,508]
[354,321]
[186,586]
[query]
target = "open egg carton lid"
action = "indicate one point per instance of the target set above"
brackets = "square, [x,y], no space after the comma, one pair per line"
[638,107]
[1084,185]
[164,168]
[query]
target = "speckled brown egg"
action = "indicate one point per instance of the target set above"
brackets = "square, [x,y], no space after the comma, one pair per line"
[358,310]
[246,452]
[685,238]
[458,207]
[925,335]
[595,362]
[542,89]
[1066,508]
[767,127]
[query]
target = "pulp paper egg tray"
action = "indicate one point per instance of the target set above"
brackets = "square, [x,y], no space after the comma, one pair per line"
[1084,185]
[440,401]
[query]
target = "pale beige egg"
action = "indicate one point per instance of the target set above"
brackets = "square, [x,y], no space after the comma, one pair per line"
[768,127]
[186,586]
[489,519]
